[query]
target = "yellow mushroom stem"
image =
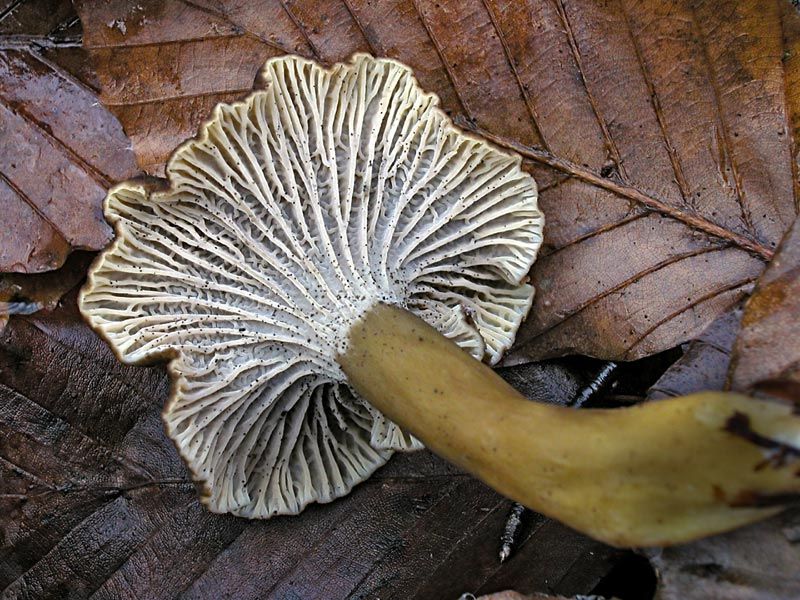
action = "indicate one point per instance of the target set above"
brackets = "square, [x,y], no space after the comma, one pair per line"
[654,474]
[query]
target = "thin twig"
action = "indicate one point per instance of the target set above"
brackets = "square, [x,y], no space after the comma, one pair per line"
[509,538]
[626,191]
[601,381]
[32,42]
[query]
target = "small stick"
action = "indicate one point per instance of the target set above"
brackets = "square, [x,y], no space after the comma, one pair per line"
[509,537]
[602,380]
[600,383]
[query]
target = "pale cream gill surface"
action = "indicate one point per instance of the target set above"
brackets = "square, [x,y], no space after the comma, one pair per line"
[290,214]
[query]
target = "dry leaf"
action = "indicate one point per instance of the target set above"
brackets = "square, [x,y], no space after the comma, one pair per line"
[766,354]
[59,149]
[767,351]
[761,561]
[661,133]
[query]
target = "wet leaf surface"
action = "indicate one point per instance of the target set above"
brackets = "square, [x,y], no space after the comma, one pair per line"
[48,19]
[662,134]
[59,147]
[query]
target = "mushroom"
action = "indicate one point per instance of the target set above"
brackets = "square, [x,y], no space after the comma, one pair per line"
[326,267]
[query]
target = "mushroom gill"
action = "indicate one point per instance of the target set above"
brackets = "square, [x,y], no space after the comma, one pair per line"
[291,214]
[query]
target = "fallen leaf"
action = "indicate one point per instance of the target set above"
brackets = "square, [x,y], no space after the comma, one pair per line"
[759,562]
[662,134]
[762,560]
[547,381]
[52,20]
[94,500]
[59,147]
[767,350]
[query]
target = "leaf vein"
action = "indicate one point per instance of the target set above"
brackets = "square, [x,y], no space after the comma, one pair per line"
[623,284]
[655,102]
[32,122]
[725,134]
[373,50]
[510,60]
[611,146]
[689,306]
[314,50]
[440,54]
[245,30]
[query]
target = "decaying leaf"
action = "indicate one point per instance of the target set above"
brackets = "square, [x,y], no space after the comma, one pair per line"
[762,560]
[663,138]
[59,151]
[43,20]
[767,351]
[661,133]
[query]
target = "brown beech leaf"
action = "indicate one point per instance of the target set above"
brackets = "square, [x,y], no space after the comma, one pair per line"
[94,501]
[750,348]
[59,147]
[662,133]
[767,351]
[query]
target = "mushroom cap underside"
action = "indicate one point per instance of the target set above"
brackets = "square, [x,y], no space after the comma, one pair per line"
[289,215]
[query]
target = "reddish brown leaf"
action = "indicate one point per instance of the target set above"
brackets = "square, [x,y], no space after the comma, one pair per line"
[59,148]
[767,350]
[662,134]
